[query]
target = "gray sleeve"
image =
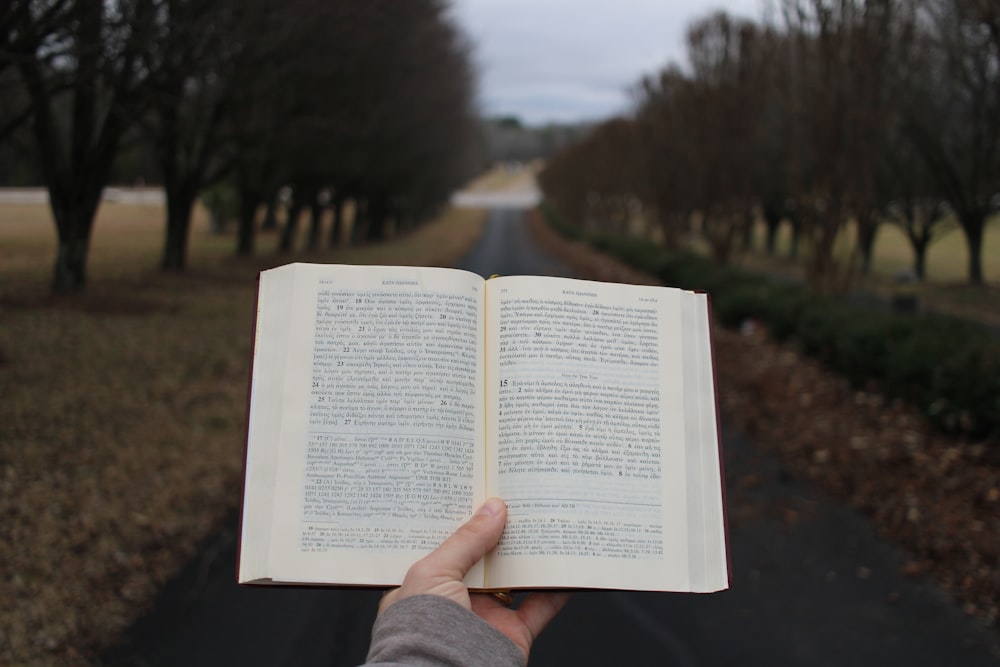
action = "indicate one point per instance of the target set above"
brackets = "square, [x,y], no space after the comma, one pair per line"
[429,630]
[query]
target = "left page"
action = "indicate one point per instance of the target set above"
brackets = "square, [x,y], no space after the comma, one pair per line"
[365,450]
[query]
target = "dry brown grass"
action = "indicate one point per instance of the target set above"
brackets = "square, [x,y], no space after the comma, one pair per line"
[945,290]
[501,178]
[121,424]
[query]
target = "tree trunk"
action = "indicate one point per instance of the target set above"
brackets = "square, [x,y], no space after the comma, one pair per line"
[972,219]
[746,238]
[669,228]
[70,273]
[271,214]
[358,230]
[867,232]
[74,224]
[405,221]
[75,155]
[721,230]
[74,217]
[336,228]
[920,256]
[973,227]
[772,220]
[748,229]
[180,201]
[246,233]
[376,218]
[291,227]
[315,224]
[823,274]
[793,248]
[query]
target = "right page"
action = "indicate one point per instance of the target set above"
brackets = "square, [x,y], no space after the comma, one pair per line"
[602,438]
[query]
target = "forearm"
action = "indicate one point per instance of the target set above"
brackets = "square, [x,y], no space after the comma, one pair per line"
[432,630]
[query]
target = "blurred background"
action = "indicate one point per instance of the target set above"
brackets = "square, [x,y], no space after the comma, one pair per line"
[829,170]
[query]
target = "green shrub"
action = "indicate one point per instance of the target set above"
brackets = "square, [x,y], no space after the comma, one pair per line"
[944,368]
[639,253]
[966,390]
[734,306]
[557,222]
[694,272]
[818,326]
[781,312]
[866,340]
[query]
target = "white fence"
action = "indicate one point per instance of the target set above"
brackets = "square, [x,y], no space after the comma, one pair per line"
[147,196]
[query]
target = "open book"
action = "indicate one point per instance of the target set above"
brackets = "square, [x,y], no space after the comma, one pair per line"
[387,403]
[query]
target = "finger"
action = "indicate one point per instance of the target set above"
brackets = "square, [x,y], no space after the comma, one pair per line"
[469,543]
[537,609]
[388,598]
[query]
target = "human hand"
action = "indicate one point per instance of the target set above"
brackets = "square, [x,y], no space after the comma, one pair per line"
[442,572]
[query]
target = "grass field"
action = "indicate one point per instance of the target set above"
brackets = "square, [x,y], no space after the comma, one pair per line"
[947,257]
[945,289]
[122,417]
[506,178]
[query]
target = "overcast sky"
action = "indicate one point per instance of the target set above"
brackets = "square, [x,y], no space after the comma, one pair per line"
[571,60]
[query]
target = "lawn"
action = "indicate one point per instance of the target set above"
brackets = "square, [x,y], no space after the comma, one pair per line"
[946,287]
[121,428]
[506,177]
[947,257]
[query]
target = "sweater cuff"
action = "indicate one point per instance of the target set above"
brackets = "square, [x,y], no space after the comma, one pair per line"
[433,630]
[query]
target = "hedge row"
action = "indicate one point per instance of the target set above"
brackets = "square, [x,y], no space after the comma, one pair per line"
[948,368]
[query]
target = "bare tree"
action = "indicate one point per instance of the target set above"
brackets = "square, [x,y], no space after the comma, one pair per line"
[80,64]
[923,220]
[377,107]
[838,92]
[418,120]
[775,133]
[189,88]
[953,111]
[265,104]
[595,183]
[667,183]
[722,123]
[565,184]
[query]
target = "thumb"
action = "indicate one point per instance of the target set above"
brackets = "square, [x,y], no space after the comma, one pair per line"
[466,547]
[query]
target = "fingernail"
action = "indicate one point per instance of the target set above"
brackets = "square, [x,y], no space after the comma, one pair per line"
[492,507]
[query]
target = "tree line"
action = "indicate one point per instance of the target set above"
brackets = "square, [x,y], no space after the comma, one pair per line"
[828,113]
[368,101]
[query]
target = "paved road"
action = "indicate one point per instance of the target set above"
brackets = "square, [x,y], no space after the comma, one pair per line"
[506,248]
[813,585]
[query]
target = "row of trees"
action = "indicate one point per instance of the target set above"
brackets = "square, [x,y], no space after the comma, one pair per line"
[832,111]
[368,100]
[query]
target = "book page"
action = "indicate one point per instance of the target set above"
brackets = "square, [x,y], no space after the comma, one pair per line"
[263,425]
[708,558]
[586,430]
[382,428]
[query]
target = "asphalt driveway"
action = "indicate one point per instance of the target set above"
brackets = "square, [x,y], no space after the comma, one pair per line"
[813,584]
